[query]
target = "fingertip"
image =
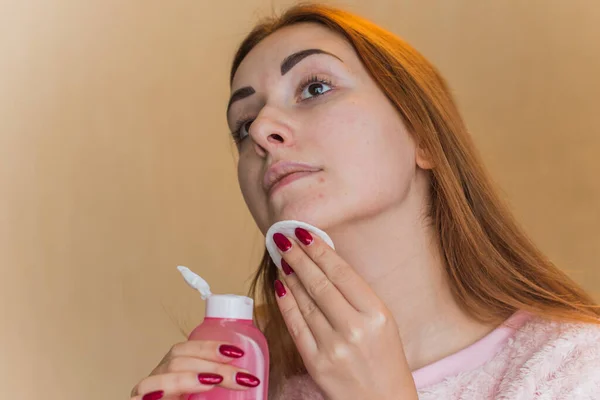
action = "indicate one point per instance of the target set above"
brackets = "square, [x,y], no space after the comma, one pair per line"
[279,288]
[207,378]
[156,395]
[287,269]
[247,380]
[231,351]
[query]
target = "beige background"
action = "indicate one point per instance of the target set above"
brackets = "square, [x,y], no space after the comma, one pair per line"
[116,164]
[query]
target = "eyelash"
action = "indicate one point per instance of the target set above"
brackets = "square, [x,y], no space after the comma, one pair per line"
[239,124]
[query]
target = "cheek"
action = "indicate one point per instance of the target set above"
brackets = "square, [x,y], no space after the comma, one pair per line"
[370,151]
[252,192]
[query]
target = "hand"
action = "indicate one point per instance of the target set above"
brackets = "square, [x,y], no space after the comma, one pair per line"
[347,337]
[192,367]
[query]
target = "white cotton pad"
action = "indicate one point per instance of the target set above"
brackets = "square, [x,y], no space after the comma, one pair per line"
[287,228]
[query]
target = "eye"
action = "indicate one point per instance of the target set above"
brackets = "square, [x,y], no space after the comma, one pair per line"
[243,130]
[314,87]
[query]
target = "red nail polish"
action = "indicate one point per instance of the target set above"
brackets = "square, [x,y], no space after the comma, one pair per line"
[303,236]
[286,267]
[279,288]
[154,395]
[282,242]
[247,380]
[231,351]
[210,379]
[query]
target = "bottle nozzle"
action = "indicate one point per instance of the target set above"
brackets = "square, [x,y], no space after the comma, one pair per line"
[195,281]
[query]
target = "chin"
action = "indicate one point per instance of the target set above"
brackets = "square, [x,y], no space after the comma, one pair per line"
[317,213]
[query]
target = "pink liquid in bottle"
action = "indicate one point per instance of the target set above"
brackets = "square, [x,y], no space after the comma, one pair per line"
[228,319]
[245,335]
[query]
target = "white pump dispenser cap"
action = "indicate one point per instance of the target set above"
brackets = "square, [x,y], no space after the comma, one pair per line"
[219,305]
[229,306]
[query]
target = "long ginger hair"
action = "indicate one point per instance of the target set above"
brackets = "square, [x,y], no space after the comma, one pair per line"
[493,268]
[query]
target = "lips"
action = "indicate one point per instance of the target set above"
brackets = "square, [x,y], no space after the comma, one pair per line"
[283,169]
[289,178]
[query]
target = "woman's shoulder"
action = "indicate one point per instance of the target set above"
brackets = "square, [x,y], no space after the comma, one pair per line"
[545,335]
[557,359]
[542,359]
[554,343]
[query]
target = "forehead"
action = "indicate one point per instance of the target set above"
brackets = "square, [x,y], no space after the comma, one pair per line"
[266,57]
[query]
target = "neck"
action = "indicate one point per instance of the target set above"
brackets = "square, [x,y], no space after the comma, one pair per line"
[398,254]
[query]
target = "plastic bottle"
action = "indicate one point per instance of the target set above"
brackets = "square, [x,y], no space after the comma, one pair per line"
[228,318]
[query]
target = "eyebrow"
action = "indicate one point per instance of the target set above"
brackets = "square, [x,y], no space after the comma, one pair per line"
[286,65]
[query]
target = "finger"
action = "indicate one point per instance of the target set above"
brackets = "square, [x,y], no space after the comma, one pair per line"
[301,333]
[174,385]
[192,381]
[316,320]
[349,283]
[197,365]
[338,311]
[160,395]
[216,351]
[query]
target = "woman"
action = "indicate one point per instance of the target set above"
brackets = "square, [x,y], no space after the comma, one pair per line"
[433,291]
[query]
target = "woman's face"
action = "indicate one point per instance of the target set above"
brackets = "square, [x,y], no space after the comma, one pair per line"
[363,159]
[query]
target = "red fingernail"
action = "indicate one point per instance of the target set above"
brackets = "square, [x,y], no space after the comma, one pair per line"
[210,379]
[303,236]
[286,267]
[282,242]
[154,395]
[231,351]
[279,288]
[245,379]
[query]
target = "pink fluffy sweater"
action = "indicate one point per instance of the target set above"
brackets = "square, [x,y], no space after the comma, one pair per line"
[525,358]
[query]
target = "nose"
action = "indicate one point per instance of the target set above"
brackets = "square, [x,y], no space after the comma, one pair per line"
[270,133]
